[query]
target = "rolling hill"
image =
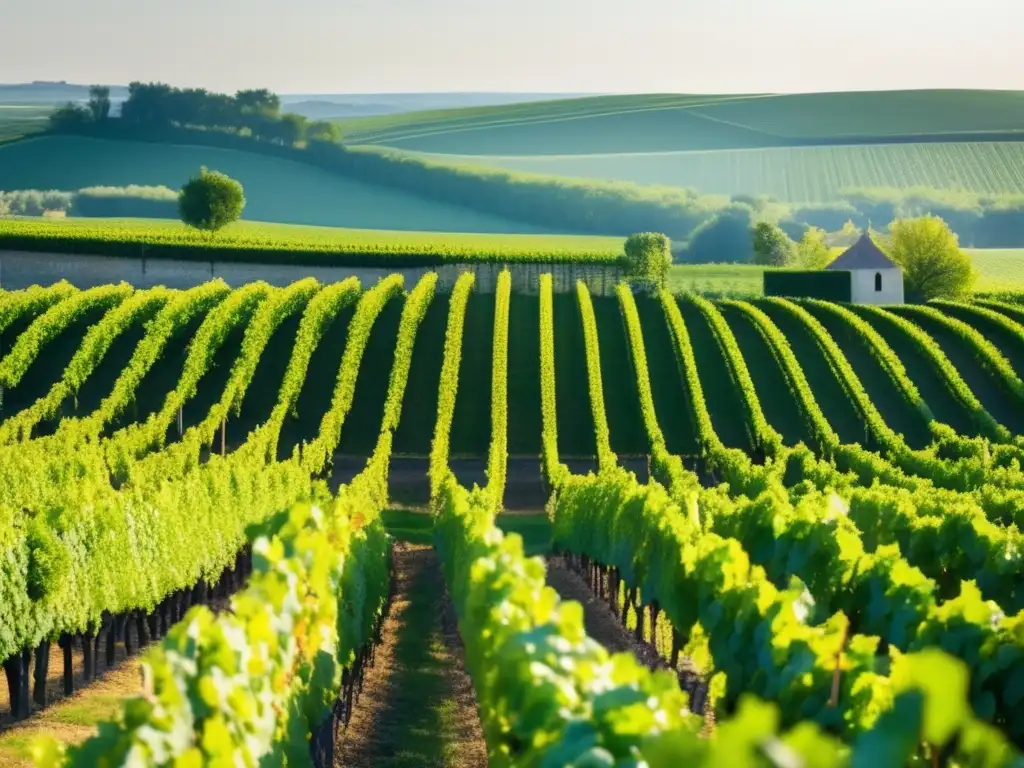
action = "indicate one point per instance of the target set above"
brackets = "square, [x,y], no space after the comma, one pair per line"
[803,148]
[277,190]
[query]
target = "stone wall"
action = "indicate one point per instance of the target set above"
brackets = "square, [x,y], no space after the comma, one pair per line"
[20,269]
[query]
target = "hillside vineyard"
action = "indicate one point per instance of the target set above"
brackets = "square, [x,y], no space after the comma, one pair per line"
[820,504]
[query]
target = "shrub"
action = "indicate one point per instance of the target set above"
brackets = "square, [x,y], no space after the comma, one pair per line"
[648,257]
[724,238]
[929,253]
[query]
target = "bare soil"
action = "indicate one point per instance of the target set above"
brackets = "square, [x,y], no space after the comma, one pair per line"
[417,706]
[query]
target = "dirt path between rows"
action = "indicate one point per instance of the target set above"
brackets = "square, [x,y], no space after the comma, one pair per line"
[417,707]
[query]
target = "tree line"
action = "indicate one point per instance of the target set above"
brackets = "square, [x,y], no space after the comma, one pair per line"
[255,113]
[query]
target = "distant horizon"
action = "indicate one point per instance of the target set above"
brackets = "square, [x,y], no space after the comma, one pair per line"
[532,46]
[515,92]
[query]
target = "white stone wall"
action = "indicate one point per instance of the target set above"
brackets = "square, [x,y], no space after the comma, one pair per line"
[20,269]
[862,286]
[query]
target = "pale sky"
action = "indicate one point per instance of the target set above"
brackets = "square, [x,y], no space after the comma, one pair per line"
[627,46]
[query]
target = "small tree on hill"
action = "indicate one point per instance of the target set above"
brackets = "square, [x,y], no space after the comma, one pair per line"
[648,257]
[772,246]
[210,201]
[813,252]
[929,253]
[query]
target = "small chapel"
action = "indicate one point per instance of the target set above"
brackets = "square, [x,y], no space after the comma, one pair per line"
[874,277]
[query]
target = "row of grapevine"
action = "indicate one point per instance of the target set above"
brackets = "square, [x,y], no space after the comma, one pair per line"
[961,474]
[179,456]
[554,469]
[947,372]
[318,587]
[666,466]
[373,481]
[497,455]
[52,323]
[763,436]
[317,455]
[985,352]
[95,345]
[134,441]
[28,302]
[760,638]
[448,387]
[606,459]
[320,313]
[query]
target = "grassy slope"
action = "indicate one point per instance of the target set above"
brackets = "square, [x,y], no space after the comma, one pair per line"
[17,121]
[276,189]
[999,269]
[780,408]
[720,393]
[897,412]
[739,144]
[815,115]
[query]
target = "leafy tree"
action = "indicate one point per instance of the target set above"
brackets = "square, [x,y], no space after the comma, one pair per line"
[813,252]
[323,130]
[648,255]
[258,102]
[99,103]
[210,201]
[929,253]
[725,238]
[70,116]
[290,129]
[148,104]
[772,246]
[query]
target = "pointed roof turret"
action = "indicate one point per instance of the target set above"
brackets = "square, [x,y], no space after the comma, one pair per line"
[863,254]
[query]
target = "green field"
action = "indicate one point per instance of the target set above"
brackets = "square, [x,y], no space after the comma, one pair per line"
[999,269]
[736,144]
[659,123]
[268,235]
[792,174]
[276,190]
[17,121]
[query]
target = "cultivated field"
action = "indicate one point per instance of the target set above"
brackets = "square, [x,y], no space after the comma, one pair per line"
[792,174]
[836,499]
[958,140]
[17,121]
[258,240]
[659,123]
[276,190]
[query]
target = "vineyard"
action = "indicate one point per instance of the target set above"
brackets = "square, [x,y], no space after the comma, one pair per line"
[804,174]
[806,515]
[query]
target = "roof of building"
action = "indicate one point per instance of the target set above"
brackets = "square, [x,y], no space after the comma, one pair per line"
[863,254]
